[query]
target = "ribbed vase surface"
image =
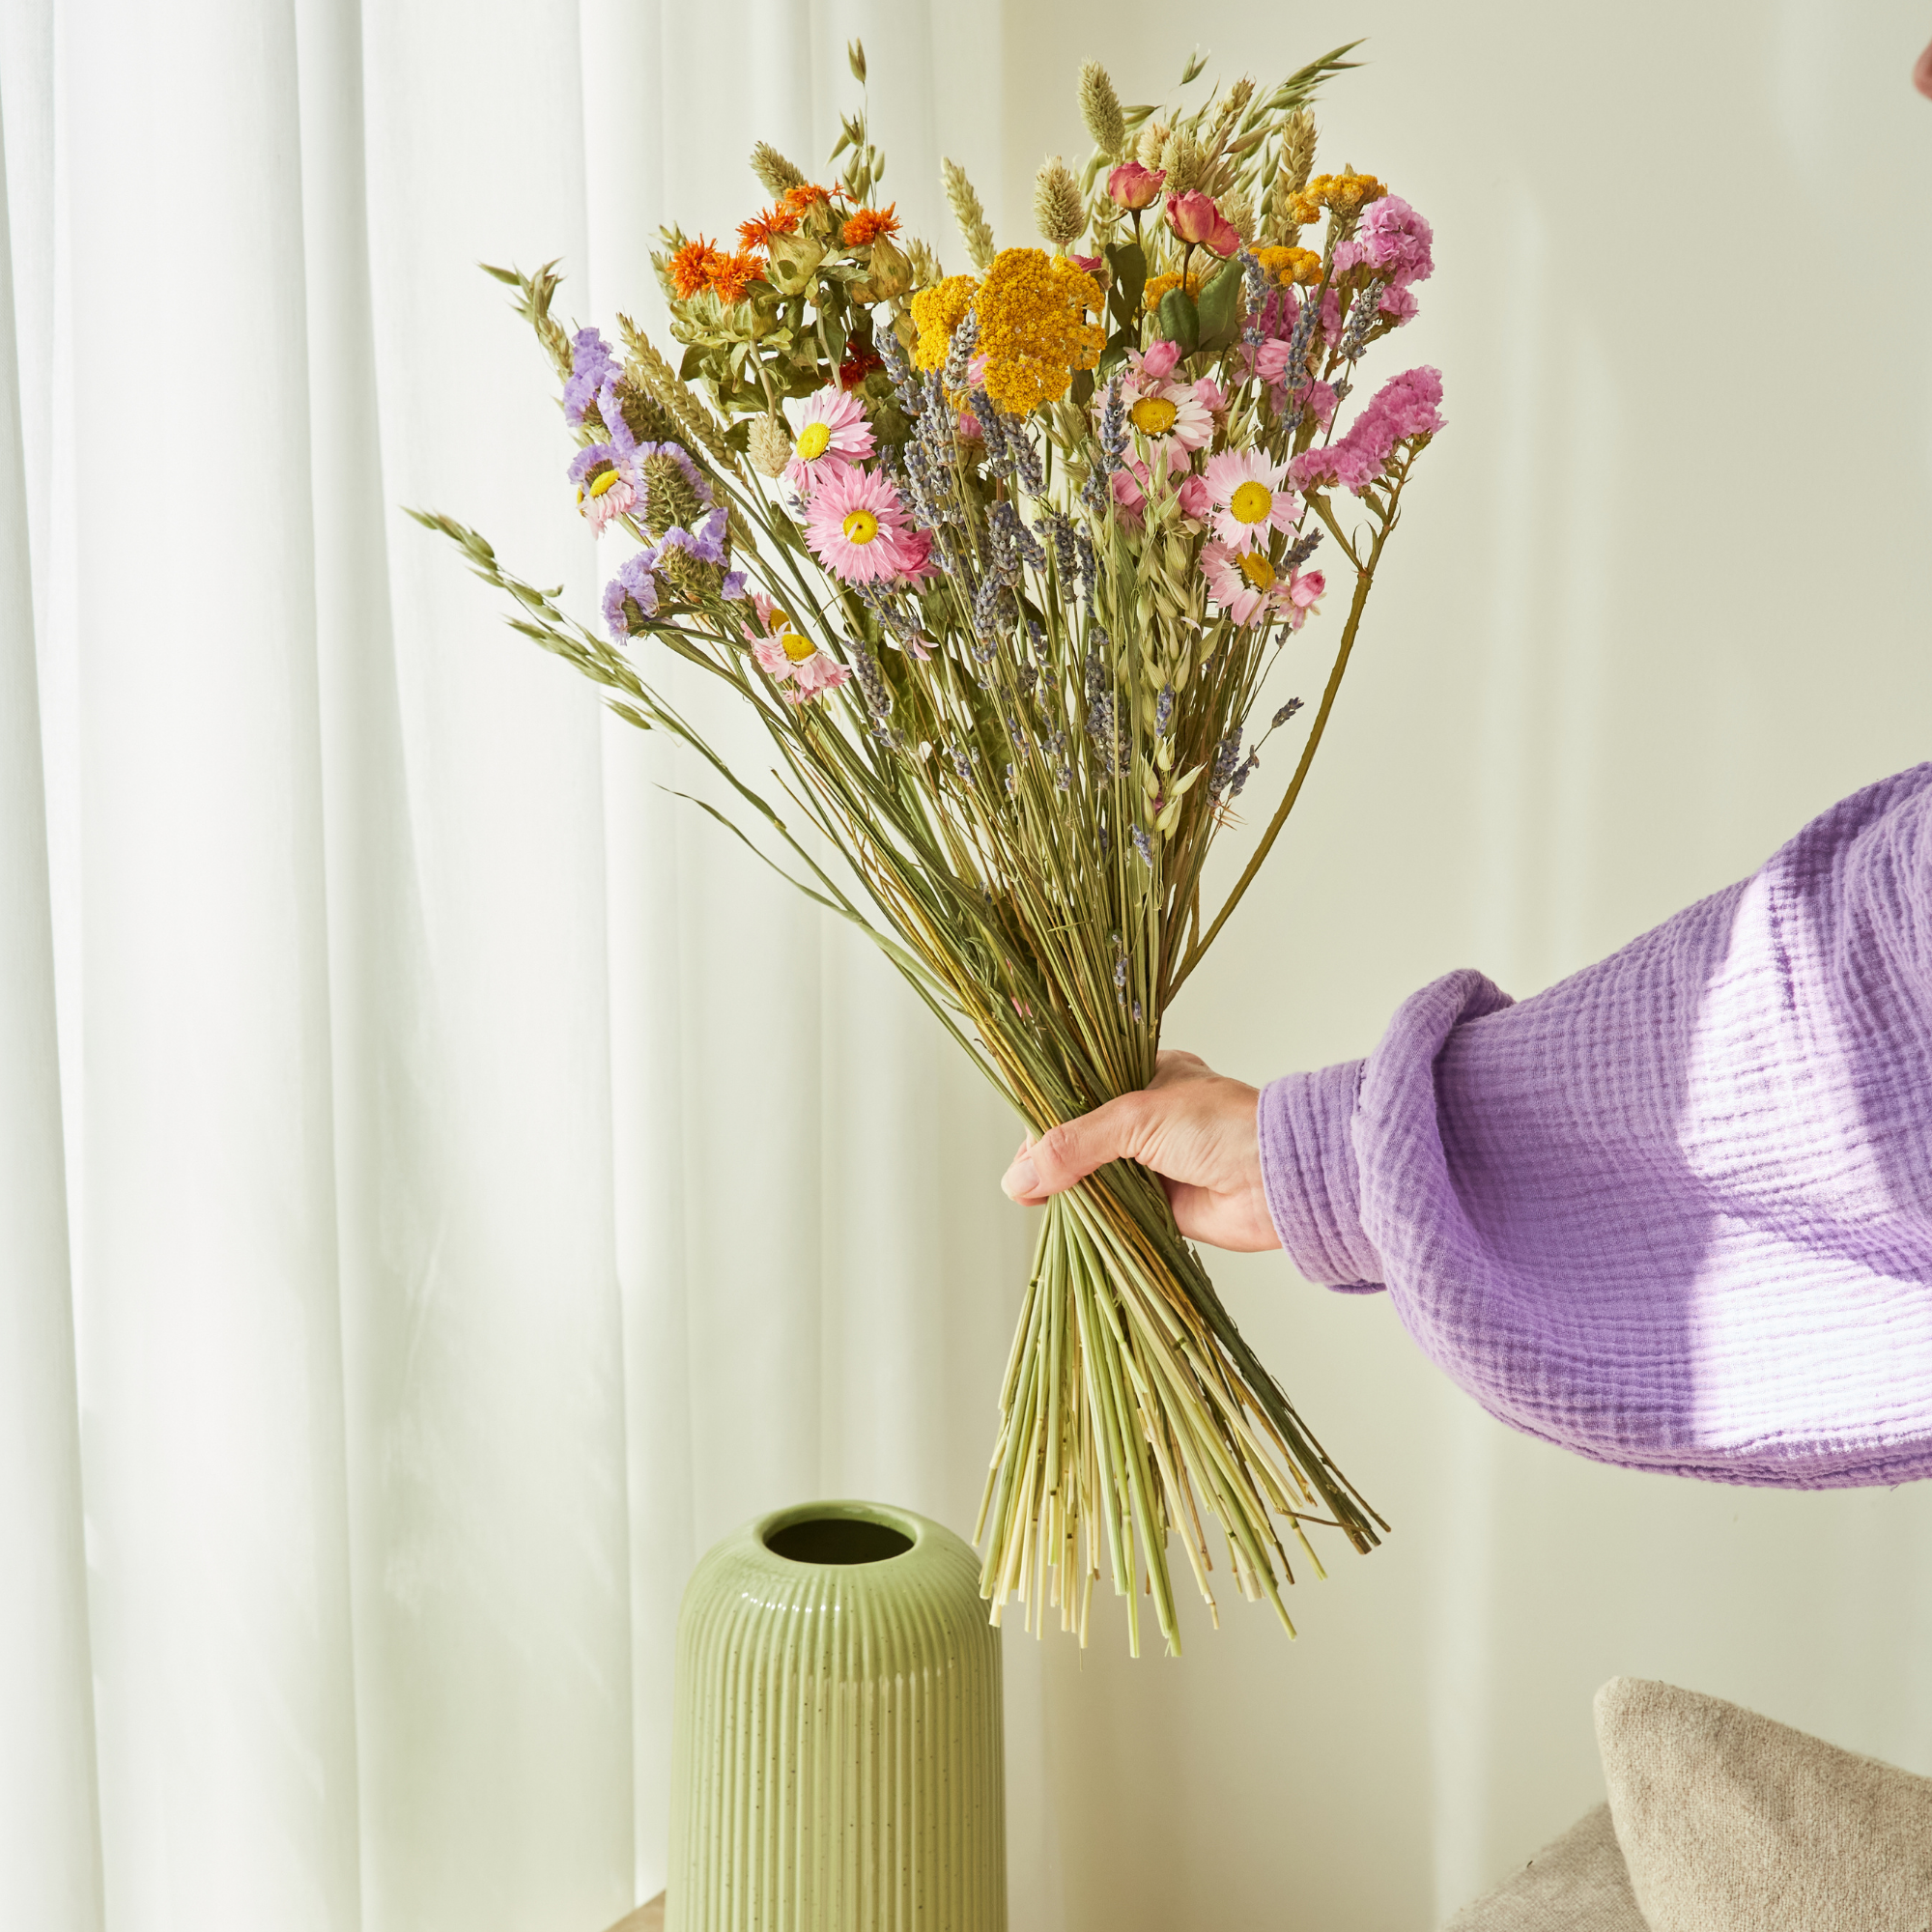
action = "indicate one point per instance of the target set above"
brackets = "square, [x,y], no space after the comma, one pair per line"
[836,1742]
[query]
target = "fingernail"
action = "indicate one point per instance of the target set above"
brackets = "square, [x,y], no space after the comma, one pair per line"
[1021,1179]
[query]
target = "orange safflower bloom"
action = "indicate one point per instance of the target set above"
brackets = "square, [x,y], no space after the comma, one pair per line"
[807,196]
[867,225]
[759,231]
[692,266]
[731,277]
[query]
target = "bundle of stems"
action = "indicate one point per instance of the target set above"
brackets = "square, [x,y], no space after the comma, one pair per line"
[1009,677]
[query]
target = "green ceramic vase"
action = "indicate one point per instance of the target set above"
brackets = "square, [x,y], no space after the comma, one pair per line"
[836,1744]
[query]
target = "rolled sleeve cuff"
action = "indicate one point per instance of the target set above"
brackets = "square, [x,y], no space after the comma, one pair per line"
[1309,1176]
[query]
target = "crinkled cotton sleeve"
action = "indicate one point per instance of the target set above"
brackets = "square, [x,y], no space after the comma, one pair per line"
[1676,1212]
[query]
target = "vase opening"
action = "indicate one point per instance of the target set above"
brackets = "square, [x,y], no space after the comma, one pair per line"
[836,1539]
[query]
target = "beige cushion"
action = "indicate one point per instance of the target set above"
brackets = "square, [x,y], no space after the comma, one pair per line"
[1729,1822]
[1574,1885]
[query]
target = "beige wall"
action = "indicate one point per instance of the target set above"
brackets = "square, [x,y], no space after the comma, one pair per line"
[1652,607]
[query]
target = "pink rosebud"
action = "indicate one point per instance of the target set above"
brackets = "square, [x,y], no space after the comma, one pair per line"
[1194,498]
[1132,185]
[1193,216]
[969,427]
[1157,364]
[1087,265]
[1208,393]
[1224,239]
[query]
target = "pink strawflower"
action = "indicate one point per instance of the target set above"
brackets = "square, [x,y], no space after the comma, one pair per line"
[1245,490]
[1407,405]
[856,526]
[832,434]
[1156,365]
[916,568]
[1208,393]
[1248,590]
[790,659]
[1305,590]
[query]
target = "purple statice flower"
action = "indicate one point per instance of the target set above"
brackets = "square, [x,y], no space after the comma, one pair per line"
[630,597]
[706,543]
[591,367]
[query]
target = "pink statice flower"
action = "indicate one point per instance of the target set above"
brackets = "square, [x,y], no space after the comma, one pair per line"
[832,434]
[1395,241]
[790,659]
[1400,302]
[1269,364]
[857,527]
[1247,497]
[1331,314]
[1405,407]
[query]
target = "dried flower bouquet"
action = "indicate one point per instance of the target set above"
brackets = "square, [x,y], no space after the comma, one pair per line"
[1000,560]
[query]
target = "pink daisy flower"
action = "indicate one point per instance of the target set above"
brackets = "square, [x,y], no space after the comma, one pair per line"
[606,476]
[857,527]
[1249,591]
[1171,418]
[788,657]
[832,434]
[1245,490]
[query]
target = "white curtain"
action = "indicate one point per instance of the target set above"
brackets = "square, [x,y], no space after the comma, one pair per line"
[445,1185]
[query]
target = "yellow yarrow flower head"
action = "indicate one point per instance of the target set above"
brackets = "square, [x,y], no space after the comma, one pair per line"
[936,312]
[1288,267]
[1346,194]
[1158,285]
[1033,330]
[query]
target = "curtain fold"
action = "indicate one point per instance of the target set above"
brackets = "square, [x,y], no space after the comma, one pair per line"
[49,1827]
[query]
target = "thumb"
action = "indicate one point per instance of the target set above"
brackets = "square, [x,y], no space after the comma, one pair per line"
[1071,1152]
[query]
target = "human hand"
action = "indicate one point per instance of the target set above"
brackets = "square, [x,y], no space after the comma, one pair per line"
[1193,1126]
